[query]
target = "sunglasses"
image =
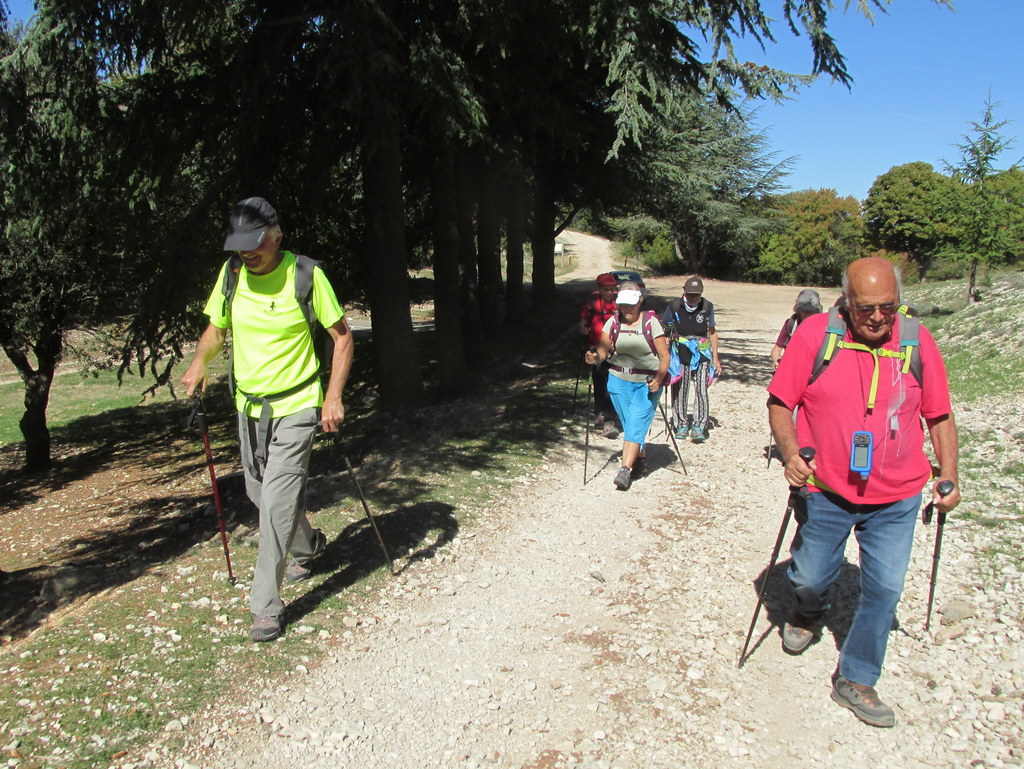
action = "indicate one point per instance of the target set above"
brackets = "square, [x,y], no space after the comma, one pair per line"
[867,310]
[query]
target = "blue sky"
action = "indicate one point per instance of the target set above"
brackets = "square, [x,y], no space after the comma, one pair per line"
[921,75]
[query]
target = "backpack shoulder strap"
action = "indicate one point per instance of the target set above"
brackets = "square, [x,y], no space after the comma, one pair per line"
[613,332]
[793,323]
[834,333]
[230,282]
[304,267]
[910,344]
[649,317]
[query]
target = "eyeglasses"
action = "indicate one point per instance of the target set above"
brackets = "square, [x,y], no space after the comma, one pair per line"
[867,310]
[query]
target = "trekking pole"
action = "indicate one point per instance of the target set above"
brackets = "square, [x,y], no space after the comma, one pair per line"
[579,371]
[771,445]
[198,416]
[945,489]
[586,443]
[672,435]
[806,454]
[362,498]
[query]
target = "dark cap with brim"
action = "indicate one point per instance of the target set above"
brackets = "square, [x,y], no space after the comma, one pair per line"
[248,224]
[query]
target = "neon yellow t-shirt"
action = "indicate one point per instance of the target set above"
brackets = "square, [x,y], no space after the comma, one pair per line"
[273,350]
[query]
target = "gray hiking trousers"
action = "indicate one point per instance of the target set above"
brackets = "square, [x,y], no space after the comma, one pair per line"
[278,488]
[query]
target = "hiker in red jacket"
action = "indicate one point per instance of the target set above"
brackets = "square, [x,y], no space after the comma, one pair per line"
[599,307]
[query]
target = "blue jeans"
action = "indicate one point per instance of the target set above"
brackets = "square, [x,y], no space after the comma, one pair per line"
[635,404]
[885,534]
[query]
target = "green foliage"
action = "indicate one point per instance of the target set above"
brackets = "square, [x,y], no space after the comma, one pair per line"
[137,124]
[912,209]
[985,217]
[818,234]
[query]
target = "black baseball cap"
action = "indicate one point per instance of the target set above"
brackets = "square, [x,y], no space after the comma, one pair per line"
[248,224]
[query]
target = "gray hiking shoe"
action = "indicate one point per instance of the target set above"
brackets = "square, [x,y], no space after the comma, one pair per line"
[295,571]
[264,628]
[698,436]
[797,633]
[864,702]
[622,480]
[610,429]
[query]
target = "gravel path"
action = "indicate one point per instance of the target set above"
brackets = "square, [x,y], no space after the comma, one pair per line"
[583,627]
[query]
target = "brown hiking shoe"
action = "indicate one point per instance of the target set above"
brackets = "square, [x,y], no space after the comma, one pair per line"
[798,633]
[863,700]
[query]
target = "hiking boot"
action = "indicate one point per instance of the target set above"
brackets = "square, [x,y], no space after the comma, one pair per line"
[295,571]
[682,433]
[797,633]
[622,479]
[599,422]
[264,628]
[639,468]
[698,436]
[864,702]
[610,429]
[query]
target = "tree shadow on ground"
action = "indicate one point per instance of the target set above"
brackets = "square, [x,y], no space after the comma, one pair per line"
[410,534]
[135,539]
[747,359]
[119,476]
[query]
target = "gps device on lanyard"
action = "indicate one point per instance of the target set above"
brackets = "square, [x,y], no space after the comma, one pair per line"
[861,451]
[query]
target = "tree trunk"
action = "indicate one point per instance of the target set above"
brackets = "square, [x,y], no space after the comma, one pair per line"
[514,236]
[451,358]
[972,281]
[469,287]
[489,252]
[384,263]
[542,243]
[37,382]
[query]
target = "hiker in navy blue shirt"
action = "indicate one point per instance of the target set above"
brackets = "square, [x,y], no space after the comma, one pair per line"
[690,323]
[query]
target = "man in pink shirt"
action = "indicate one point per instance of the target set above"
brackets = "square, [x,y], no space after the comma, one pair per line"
[876,490]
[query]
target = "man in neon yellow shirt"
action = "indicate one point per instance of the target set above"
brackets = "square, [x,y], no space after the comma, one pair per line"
[278,394]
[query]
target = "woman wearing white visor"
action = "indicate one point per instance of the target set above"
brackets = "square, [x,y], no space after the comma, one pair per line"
[634,344]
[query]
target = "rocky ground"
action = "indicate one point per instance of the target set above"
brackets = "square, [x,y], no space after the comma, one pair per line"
[578,626]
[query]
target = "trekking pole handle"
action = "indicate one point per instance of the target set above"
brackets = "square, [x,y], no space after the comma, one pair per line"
[806,454]
[198,414]
[945,488]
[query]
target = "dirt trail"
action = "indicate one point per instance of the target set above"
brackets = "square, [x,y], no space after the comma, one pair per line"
[577,626]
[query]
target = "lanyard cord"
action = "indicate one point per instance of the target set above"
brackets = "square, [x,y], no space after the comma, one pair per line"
[876,353]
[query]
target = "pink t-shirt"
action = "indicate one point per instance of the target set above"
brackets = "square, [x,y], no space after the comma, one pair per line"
[834,407]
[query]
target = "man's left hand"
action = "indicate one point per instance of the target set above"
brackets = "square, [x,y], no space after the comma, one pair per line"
[945,504]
